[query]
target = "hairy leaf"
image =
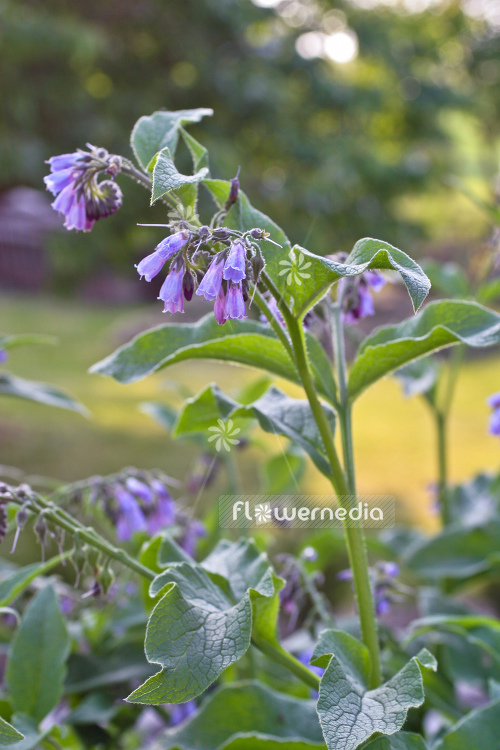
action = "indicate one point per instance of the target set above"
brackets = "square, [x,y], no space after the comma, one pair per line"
[350,713]
[36,666]
[398,741]
[439,325]
[477,731]
[243,342]
[202,624]
[42,393]
[166,176]
[153,132]
[276,413]
[17,581]
[8,734]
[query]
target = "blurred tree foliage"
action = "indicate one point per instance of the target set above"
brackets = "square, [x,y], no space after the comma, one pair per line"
[328,149]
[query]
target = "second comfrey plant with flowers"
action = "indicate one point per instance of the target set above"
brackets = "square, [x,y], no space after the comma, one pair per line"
[229,602]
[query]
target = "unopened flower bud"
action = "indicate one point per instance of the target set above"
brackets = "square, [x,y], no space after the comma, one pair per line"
[105,579]
[188,286]
[257,234]
[234,190]
[221,234]
[93,557]
[204,233]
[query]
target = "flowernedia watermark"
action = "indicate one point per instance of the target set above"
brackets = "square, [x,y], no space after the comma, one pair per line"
[306,511]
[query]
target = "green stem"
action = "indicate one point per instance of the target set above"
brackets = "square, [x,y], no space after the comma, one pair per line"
[355,542]
[280,656]
[356,538]
[441,431]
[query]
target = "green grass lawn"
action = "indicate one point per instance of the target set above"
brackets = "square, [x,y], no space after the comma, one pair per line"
[394,440]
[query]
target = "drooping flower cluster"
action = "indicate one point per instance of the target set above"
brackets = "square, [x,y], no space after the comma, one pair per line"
[386,589]
[137,502]
[356,293]
[80,197]
[494,403]
[221,277]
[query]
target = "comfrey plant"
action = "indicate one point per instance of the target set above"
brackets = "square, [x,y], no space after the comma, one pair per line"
[208,616]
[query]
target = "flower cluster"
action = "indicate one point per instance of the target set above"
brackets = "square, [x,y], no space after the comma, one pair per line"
[218,275]
[356,294]
[80,197]
[494,403]
[142,502]
[386,589]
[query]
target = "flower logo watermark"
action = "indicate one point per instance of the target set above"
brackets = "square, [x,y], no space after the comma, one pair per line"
[263,513]
[224,435]
[295,268]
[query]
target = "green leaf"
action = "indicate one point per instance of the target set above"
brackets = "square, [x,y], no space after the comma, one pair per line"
[160,130]
[8,734]
[16,583]
[477,630]
[439,325]
[42,393]
[244,342]
[398,741]
[350,713]
[36,666]
[10,341]
[276,413]
[163,414]
[457,552]
[283,472]
[198,629]
[477,731]
[489,291]
[314,274]
[246,716]
[199,153]
[166,176]
[419,377]
[32,736]
[447,278]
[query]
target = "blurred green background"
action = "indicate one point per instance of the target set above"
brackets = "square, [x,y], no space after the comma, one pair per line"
[348,119]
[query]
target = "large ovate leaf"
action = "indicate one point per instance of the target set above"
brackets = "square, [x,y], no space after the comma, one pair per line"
[36,666]
[312,275]
[166,176]
[42,393]
[201,625]
[244,342]
[439,325]
[247,715]
[276,413]
[457,552]
[350,713]
[161,129]
[477,731]
[8,734]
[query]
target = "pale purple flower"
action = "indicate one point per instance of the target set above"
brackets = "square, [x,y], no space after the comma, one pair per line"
[357,295]
[171,291]
[3,356]
[305,658]
[220,307]
[382,605]
[171,245]
[66,161]
[375,280]
[150,266]
[179,712]
[211,283]
[194,530]
[140,490]
[494,402]
[235,305]
[131,518]
[163,514]
[234,267]
[273,306]
[344,575]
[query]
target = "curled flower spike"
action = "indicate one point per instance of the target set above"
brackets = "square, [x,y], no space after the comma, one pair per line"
[79,196]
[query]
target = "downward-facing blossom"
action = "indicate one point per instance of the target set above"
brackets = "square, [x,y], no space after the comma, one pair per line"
[356,293]
[211,283]
[152,264]
[494,403]
[220,307]
[235,304]
[234,267]
[171,291]
[131,518]
[80,197]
